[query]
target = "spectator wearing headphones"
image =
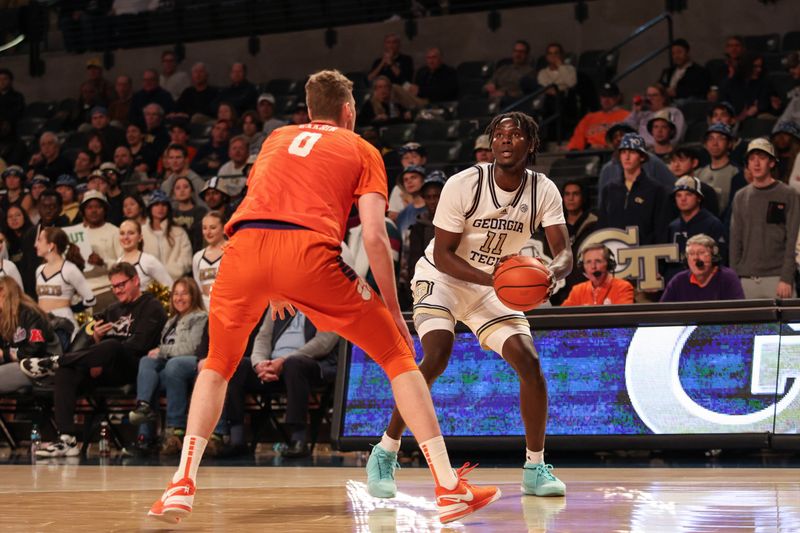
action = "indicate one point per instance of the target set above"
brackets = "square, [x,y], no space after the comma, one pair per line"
[705,279]
[597,263]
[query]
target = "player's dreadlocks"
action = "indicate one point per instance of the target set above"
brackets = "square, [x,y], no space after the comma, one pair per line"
[526,123]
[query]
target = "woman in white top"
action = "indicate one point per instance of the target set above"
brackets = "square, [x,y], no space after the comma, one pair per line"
[8,268]
[164,239]
[59,279]
[148,267]
[205,262]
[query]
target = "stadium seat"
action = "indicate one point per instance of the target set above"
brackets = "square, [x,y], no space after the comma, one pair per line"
[397,134]
[280,86]
[199,131]
[474,69]
[443,152]
[30,126]
[782,82]
[471,87]
[360,82]
[567,168]
[791,41]
[717,70]
[763,43]
[756,127]
[473,108]
[695,132]
[436,130]
[694,110]
[773,62]
[38,110]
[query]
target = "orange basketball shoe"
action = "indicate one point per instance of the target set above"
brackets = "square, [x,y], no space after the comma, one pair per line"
[465,498]
[175,503]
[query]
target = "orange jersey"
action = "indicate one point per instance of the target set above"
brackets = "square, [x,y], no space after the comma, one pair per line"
[310,175]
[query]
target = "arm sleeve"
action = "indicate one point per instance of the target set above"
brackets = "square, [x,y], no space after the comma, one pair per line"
[262,343]
[75,277]
[451,210]
[187,336]
[318,346]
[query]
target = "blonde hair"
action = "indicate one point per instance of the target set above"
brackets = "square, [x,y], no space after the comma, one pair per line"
[326,92]
[11,300]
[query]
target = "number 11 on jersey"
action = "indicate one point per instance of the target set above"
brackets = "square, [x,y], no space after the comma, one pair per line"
[489,246]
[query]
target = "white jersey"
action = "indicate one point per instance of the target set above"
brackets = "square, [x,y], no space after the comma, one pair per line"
[205,273]
[149,268]
[494,223]
[64,284]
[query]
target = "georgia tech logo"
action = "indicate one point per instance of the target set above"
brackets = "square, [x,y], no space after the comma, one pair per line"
[656,393]
[636,263]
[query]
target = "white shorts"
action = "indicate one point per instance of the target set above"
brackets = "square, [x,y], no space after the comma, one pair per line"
[441,300]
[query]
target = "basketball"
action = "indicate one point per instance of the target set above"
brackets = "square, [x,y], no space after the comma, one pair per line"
[521,282]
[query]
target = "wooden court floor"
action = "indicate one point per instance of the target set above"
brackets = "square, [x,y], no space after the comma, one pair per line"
[68,497]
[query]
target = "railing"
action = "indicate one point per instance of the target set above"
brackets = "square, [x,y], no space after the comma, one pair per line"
[606,63]
[614,51]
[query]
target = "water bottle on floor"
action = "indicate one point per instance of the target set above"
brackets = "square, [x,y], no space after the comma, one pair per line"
[104,444]
[36,441]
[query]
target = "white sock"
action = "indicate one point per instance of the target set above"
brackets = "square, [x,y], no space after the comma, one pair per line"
[534,457]
[191,454]
[436,454]
[389,444]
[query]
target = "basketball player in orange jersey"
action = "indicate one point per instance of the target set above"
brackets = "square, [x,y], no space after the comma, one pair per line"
[284,252]
[486,213]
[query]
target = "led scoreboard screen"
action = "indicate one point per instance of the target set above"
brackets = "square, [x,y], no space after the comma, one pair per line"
[654,380]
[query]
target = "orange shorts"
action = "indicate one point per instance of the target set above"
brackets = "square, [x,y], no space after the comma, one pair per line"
[304,268]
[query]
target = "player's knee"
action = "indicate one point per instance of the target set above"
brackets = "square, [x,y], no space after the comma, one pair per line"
[224,366]
[434,364]
[522,357]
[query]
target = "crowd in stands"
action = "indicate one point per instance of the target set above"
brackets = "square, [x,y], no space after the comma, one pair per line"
[116,191]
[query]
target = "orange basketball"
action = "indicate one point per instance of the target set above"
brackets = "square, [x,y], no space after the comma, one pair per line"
[521,282]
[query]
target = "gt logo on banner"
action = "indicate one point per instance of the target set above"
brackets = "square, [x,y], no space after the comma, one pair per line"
[655,391]
[639,263]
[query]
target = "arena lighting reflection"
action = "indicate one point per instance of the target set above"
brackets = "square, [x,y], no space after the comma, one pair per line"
[402,514]
[672,507]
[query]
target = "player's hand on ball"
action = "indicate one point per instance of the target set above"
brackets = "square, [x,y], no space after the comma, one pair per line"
[552,288]
[281,309]
[503,260]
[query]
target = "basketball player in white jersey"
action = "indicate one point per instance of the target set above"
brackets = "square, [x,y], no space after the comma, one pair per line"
[485,214]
